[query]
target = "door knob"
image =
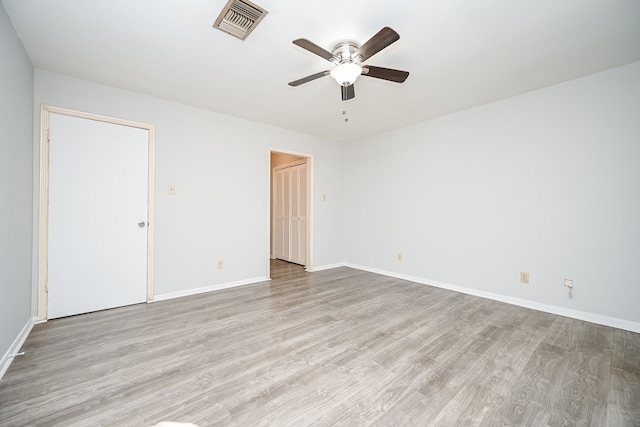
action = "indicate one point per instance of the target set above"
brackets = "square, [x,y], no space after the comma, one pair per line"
[141,224]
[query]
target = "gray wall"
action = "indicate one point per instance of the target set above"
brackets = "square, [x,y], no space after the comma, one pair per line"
[547,183]
[16,183]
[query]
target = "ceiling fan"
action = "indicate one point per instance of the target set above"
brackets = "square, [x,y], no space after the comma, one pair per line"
[348,56]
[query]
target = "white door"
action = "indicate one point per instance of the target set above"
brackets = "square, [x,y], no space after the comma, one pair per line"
[290,195]
[97,241]
[282,178]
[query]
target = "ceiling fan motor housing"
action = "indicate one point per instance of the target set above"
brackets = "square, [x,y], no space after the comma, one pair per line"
[344,51]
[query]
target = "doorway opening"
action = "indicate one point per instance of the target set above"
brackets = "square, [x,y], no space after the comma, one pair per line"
[290,209]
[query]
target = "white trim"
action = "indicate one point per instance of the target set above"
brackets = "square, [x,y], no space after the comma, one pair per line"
[326,267]
[560,311]
[151,218]
[270,185]
[43,216]
[43,212]
[205,289]
[310,213]
[15,346]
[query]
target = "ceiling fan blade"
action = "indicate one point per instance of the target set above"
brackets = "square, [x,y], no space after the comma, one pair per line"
[348,92]
[308,78]
[375,44]
[390,74]
[314,48]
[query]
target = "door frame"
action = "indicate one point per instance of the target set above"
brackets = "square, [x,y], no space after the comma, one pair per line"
[43,208]
[309,228]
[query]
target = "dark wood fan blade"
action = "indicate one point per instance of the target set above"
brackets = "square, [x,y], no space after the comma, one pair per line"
[375,44]
[348,92]
[308,78]
[314,48]
[390,74]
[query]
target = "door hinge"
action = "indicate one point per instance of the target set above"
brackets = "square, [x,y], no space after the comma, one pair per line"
[46,287]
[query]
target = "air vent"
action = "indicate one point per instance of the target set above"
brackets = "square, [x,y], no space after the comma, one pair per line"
[239,18]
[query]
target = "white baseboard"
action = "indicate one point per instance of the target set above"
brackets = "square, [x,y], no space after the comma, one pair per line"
[560,311]
[326,267]
[15,346]
[195,291]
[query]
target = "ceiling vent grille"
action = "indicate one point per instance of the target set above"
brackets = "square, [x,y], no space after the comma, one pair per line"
[239,18]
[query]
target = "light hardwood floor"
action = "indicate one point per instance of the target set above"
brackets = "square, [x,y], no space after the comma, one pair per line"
[335,347]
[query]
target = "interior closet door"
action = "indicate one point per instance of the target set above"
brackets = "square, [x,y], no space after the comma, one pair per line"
[282,213]
[97,241]
[290,194]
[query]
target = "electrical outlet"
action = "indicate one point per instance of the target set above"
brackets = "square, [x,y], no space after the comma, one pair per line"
[220,264]
[399,256]
[569,284]
[524,277]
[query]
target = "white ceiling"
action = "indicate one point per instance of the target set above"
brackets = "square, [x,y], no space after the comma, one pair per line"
[460,53]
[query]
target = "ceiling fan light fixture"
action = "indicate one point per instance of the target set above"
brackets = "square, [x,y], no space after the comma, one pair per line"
[348,56]
[346,73]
